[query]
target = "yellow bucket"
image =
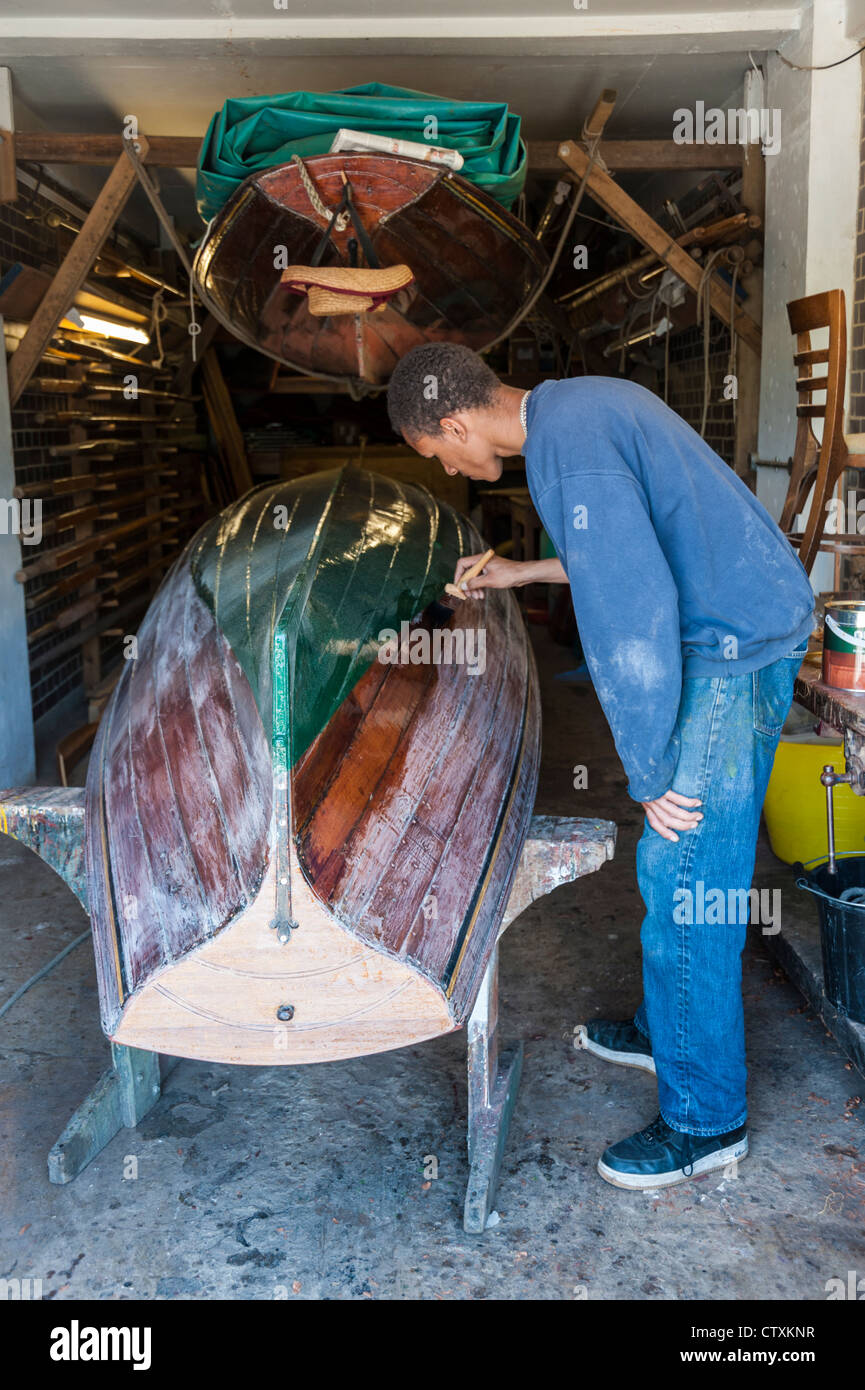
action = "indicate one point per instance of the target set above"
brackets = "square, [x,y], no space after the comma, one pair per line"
[795,805]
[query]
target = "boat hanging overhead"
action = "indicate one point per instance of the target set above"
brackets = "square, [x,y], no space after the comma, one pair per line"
[251,134]
[339,261]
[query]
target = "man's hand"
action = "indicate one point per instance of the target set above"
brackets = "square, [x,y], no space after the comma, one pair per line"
[666,814]
[500,573]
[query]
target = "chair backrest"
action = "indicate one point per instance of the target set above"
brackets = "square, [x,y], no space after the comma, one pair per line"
[816,462]
[826,310]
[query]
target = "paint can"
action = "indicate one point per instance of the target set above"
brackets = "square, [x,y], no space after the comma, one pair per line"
[844,645]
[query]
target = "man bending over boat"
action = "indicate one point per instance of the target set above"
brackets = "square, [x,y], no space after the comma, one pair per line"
[694,615]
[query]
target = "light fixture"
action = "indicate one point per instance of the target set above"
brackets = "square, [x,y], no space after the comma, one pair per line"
[657,331]
[108,328]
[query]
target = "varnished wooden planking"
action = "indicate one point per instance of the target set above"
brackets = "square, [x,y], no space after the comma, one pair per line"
[490,831]
[470,958]
[321,762]
[474,264]
[444,779]
[353,789]
[177,746]
[401,891]
[185,784]
[178,818]
[155,870]
[401,796]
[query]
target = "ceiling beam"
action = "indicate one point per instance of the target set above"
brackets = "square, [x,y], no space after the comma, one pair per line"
[182,151]
[52,147]
[628,156]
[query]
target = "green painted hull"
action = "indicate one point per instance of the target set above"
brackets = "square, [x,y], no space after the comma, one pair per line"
[326,562]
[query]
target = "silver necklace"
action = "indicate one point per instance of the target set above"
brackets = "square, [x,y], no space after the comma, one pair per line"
[524,405]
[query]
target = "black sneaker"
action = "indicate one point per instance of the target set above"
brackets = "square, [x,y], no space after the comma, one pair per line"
[659,1156]
[616,1042]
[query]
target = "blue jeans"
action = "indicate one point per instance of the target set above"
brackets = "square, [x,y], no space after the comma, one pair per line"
[692,935]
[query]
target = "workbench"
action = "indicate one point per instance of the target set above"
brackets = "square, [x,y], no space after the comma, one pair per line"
[796,946]
[843,709]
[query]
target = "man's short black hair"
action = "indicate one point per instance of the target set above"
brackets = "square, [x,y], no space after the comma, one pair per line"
[434,380]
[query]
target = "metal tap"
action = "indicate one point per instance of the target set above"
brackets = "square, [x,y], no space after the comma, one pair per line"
[829,778]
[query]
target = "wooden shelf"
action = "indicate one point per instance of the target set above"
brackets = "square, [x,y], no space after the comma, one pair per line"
[841,708]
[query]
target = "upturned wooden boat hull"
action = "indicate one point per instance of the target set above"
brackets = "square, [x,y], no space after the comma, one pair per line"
[295,850]
[475,265]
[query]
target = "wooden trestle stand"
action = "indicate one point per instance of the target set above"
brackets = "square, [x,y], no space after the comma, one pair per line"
[557,850]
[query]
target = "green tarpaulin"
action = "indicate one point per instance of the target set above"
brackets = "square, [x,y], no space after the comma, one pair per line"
[253,133]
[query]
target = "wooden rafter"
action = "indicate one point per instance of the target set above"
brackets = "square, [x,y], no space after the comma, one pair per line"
[638,156]
[182,151]
[223,421]
[8,180]
[634,219]
[72,273]
[8,183]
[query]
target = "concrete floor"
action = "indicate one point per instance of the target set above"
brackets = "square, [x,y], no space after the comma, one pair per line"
[309,1183]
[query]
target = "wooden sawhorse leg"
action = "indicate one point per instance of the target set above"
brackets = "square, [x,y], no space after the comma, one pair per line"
[493,1083]
[121,1097]
[557,850]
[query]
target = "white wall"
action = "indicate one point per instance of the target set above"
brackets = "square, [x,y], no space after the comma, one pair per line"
[812,188]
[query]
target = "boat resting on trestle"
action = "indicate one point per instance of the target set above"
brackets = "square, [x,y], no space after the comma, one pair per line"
[291,849]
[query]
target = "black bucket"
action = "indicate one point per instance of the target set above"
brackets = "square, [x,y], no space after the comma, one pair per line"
[842,930]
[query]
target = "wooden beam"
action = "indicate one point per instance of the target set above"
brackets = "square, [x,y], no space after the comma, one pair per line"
[182,152]
[701,236]
[8,179]
[166,151]
[639,156]
[753,197]
[602,112]
[72,273]
[223,421]
[607,193]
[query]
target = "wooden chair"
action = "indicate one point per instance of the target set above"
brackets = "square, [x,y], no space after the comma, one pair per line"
[819,463]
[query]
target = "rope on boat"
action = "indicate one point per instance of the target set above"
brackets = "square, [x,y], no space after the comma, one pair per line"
[342,218]
[158,315]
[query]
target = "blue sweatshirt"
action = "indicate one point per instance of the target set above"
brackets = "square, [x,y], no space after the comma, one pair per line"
[676,570]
